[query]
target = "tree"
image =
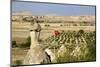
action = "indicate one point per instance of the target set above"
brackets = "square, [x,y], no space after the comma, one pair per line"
[14,44]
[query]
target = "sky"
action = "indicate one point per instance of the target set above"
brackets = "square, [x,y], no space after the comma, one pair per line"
[52,9]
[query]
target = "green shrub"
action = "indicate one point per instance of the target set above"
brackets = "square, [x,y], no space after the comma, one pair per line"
[66,58]
[13,66]
[25,45]
[18,62]
[47,25]
[14,44]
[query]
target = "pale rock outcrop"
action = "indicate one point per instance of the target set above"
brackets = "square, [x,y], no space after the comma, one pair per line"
[36,53]
[52,55]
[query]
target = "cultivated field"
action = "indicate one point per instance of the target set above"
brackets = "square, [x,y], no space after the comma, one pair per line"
[20,31]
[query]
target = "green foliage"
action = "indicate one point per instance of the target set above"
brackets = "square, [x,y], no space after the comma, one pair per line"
[92,52]
[86,45]
[74,24]
[25,45]
[13,66]
[18,62]
[14,44]
[81,32]
[47,25]
[66,58]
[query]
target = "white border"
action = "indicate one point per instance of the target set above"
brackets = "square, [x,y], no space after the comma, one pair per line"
[5,33]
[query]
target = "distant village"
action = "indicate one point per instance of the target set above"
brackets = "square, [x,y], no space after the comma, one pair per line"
[23,17]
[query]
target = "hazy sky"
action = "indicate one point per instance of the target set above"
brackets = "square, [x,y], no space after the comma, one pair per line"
[56,9]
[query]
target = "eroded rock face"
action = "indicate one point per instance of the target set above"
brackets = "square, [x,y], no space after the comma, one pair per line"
[36,53]
[36,56]
[52,55]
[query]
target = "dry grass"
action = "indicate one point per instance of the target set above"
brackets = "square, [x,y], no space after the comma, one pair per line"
[18,54]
